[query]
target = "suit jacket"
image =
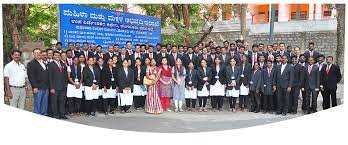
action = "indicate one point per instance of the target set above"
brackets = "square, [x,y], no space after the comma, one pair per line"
[193,77]
[286,79]
[106,76]
[299,75]
[154,55]
[287,54]
[208,59]
[239,59]
[126,81]
[251,57]
[268,81]
[76,52]
[187,60]
[75,73]
[88,76]
[315,55]
[201,75]
[90,54]
[246,72]
[119,59]
[312,79]
[159,58]
[141,56]
[107,56]
[330,80]
[99,55]
[255,81]
[221,74]
[142,74]
[58,80]
[38,77]
[229,73]
[227,59]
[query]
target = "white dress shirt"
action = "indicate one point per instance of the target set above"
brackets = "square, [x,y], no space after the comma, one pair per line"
[16,72]
[282,68]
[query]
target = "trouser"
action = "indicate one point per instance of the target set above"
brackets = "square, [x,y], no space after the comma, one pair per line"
[18,97]
[303,95]
[244,101]
[100,104]
[40,101]
[261,101]
[268,104]
[139,101]
[255,100]
[109,102]
[165,102]
[58,102]
[293,99]
[190,103]
[90,106]
[83,107]
[329,95]
[232,101]
[125,108]
[275,99]
[202,101]
[283,100]
[217,101]
[74,105]
[311,100]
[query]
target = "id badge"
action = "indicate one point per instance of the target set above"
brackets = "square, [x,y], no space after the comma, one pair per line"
[264,85]
[232,78]
[190,82]
[94,81]
[217,77]
[251,82]
[76,80]
[242,76]
[112,79]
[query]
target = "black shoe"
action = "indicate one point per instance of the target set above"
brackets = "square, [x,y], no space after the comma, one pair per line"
[294,112]
[284,113]
[56,116]
[278,112]
[63,117]
[264,111]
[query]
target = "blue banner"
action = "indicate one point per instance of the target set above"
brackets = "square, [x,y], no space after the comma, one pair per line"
[106,27]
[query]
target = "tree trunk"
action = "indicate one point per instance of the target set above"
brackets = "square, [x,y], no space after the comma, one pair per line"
[243,9]
[340,8]
[206,33]
[186,17]
[124,7]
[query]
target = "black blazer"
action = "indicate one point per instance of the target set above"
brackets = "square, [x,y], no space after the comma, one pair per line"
[57,80]
[106,78]
[209,60]
[99,55]
[268,81]
[38,77]
[221,74]
[90,54]
[142,58]
[187,60]
[142,74]
[286,79]
[330,80]
[76,52]
[159,58]
[125,81]
[312,80]
[236,74]
[227,59]
[315,55]
[239,59]
[201,75]
[299,75]
[119,59]
[154,55]
[75,73]
[255,81]
[251,57]
[107,56]
[88,76]
[193,77]
[246,71]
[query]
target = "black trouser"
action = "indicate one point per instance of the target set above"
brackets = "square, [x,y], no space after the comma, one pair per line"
[311,100]
[232,101]
[190,103]
[217,101]
[275,99]
[49,107]
[90,106]
[108,102]
[283,100]
[303,94]
[83,107]
[244,101]
[293,98]
[261,101]
[139,101]
[329,95]
[255,100]
[202,101]
[74,105]
[58,102]
[125,108]
[268,104]
[100,104]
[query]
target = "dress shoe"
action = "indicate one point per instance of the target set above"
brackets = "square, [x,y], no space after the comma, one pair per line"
[284,113]
[63,117]
[264,111]
[277,113]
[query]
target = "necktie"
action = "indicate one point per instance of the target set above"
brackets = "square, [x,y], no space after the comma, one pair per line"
[205,57]
[309,69]
[328,69]
[86,54]
[151,55]
[311,53]
[255,58]
[59,66]
[269,72]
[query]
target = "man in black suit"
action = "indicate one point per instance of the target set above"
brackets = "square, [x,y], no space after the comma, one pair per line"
[137,54]
[151,54]
[123,56]
[205,56]
[330,76]
[284,82]
[298,80]
[126,77]
[270,52]
[311,52]
[57,76]
[38,78]
[254,56]
[225,57]
[238,57]
[189,57]
[86,52]
[311,86]
[129,48]
[283,52]
[99,52]
[173,56]
[109,54]
[77,49]
[162,54]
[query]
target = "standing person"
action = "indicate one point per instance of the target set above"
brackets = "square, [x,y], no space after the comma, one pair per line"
[189,57]
[299,75]
[284,77]
[191,81]
[205,56]
[311,52]
[38,78]
[268,81]
[109,82]
[126,76]
[139,87]
[165,84]
[302,62]
[254,56]
[153,102]
[255,87]
[15,76]
[312,83]
[57,76]
[99,101]
[204,78]
[82,63]
[179,75]
[217,87]
[245,75]
[233,76]
[330,76]
[91,85]
[74,89]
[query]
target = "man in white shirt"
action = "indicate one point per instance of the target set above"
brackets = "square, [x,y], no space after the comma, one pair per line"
[15,76]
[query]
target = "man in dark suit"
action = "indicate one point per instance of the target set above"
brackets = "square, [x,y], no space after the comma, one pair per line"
[86,52]
[296,86]
[151,54]
[109,54]
[126,77]
[173,56]
[122,56]
[162,54]
[330,76]
[188,57]
[283,52]
[38,78]
[129,48]
[99,52]
[238,57]
[57,74]
[312,83]
[311,52]
[137,54]
[225,57]
[254,56]
[205,56]
[77,50]
[284,77]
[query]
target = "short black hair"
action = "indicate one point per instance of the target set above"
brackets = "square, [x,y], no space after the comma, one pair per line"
[85,43]
[159,44]
[282,43]
[49,49]
[311,43]
[293,57]
[99,46]
[59,43]
[70,43]
[238,41]
[261,44]
[227,42]
[137,45]
[54,52]
[255,45]
[321,55]
[302,55]
[329,57]
[77,43]
[116,45]
[128,42]
[16,51]
[68,51]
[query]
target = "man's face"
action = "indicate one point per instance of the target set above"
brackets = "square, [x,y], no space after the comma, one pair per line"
[302,59]
[284,59]
[320,59]
[262,58]
[294,60]
[37,54]
[77,46]
[56,56]
[93,46]
[223,50]
[261,47]
[16,56]
[329,60]
[50,54]
[181,49]
[115,48]
[289,49]
[43,55]
[225,44]
[311,61]
[269,48]
[213,51]
[129,45]
[189,50]
[281,47]
[269,64]
[174,49]
[311,47]
[110,49]
[99,49]
[137,48]
[255,49]
[150,49]
[69,54]
[163,49]
[59,47]
[297,51]
[275,47]
[85,47]
[71,46]
[63,56]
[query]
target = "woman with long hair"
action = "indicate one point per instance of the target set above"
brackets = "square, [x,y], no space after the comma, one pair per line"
[164,87]
[153,102]
[205,75]
[179,75]
[191,87]
[91,82]
[217,90]
[74,89]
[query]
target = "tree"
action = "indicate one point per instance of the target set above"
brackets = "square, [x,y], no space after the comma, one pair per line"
[340,9]
[243,31]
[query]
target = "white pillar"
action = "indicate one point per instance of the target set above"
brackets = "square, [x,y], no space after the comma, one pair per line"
[311,12]
[318,12]
[283,12]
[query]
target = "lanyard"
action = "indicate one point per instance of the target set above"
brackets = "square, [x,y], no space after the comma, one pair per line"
[112,73]
[93,74]
[75,70]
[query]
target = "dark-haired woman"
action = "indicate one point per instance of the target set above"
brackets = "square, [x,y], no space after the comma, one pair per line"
[164,87]
[191,87]
[153,102]
[204,76]
[179,74]
[109,82]
[91,84]
[139,87]
[233,81]
[217,87]
[74,89]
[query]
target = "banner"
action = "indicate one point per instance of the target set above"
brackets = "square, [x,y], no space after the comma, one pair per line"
[106,27]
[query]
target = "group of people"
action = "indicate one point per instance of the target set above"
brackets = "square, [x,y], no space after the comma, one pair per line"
[85,81]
